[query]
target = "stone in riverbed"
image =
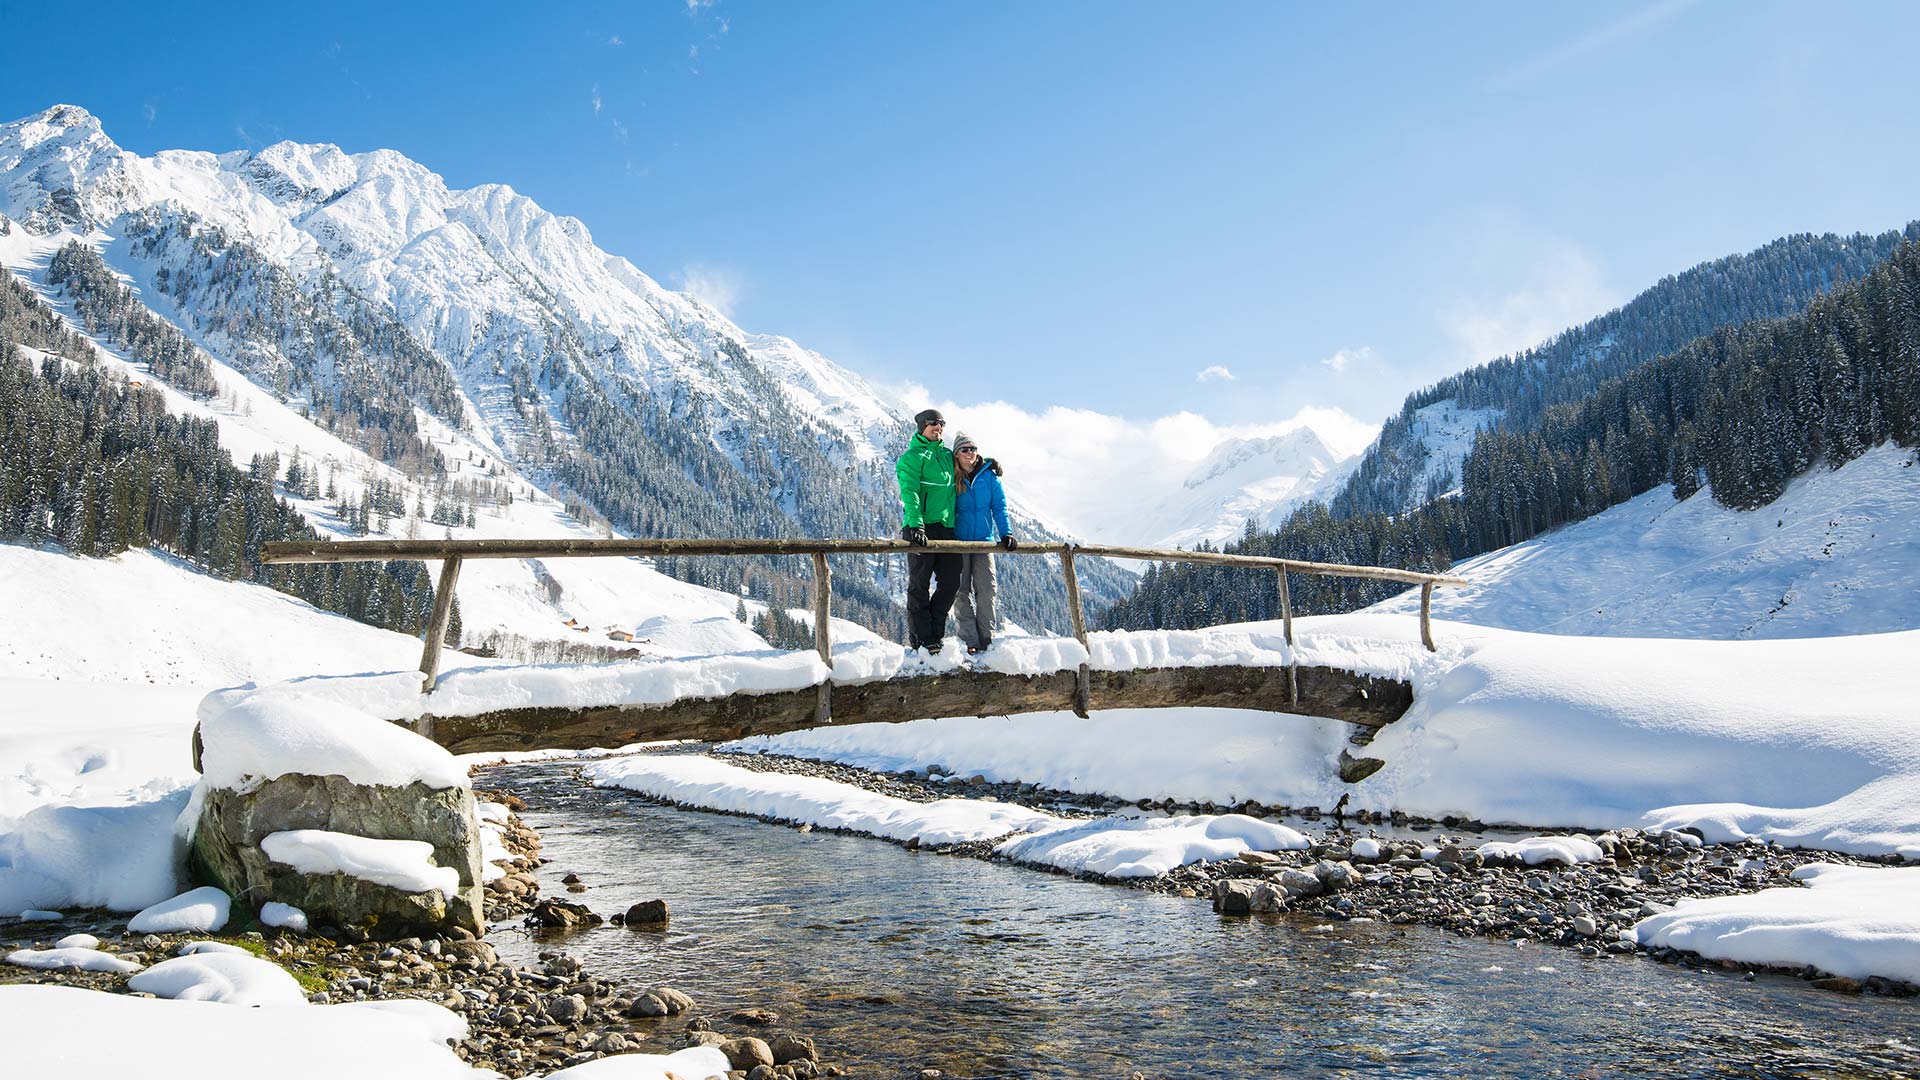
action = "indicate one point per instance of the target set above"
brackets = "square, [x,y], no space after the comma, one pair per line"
[762,1017]
[1268,897]
[647,913]
[477,952]
[1335,876]
[611,1043]
[745,1053]
[1585,926]
[659,1001]
[1233,896]
[1300,883]
[554,913]
[791,1048]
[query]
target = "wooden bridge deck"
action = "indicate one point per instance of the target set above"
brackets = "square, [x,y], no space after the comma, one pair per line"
[1365,702]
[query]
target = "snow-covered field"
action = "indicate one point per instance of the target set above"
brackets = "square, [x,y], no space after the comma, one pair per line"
[54,1031]
[1814,743]
[1837,554]
[146,618]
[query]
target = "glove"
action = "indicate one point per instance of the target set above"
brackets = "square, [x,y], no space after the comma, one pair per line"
[1009,542]
[915,535]
[994,464]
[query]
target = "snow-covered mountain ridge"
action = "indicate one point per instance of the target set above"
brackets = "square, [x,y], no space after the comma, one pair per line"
[483,275]
[352,283]
[1246,479]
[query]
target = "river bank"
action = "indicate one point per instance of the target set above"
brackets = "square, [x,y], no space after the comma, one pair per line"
[521,1018]
[979,981]
[1410,871]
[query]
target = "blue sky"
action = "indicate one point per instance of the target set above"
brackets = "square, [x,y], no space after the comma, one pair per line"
[1081,205]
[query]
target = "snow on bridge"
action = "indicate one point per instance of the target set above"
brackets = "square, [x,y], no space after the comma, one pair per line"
[1366,683]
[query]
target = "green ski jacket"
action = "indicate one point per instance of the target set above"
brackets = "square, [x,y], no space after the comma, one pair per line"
[926,483]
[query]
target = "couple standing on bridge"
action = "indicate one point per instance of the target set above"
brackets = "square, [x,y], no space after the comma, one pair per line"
[950,495]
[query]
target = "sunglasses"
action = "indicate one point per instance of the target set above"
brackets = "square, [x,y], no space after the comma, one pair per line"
[966,450]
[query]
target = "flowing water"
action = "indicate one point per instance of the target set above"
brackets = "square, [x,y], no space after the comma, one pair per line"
[895,961]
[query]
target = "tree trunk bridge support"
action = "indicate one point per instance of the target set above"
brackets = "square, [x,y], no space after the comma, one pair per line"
[1359,700]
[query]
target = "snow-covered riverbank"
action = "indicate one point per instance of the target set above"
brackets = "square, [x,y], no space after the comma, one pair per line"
[1813,743]
[1810,743]
[1616,892]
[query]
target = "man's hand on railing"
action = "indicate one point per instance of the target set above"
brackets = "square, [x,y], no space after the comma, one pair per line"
[1009,542]
[915,535]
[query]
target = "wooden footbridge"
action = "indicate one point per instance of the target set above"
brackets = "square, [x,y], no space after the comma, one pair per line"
[1366,702]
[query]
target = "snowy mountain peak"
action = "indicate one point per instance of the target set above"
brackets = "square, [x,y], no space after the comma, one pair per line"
[61,169]
[1300,452]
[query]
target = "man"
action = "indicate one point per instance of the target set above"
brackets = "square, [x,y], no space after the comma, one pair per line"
[925,472]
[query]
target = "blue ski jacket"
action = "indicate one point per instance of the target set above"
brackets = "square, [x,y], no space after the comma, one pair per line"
[981,512]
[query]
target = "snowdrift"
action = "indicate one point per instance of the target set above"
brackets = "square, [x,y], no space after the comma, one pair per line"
[1810,742]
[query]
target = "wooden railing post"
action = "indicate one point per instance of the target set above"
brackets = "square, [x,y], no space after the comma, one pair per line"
[1286,621]
[437,625]
[1426,615]
[1083,686]
[822,633]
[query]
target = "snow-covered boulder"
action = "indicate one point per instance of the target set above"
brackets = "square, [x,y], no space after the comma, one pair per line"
[305,802]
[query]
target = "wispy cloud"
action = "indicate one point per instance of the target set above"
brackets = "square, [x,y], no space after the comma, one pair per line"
[696,5]
[1564,288]
[716,287]
[1342,357]
[1611,34]
[1214,373]
[596,99]
[615,41]
[620,131]
[151,113]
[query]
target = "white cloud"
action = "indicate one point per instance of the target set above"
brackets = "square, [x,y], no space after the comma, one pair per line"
[1564,289]
[151,113]
[1342,357]
[718,288]
[1214,373]
[1090,472]
[596,99]
[615,41]
[696,5]
[620,130]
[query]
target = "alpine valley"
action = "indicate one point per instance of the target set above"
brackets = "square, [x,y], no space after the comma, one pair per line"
[408,359]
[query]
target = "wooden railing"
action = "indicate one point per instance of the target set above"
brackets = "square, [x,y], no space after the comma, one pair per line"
[453,552]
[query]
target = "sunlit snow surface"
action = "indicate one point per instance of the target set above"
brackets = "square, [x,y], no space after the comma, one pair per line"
[1837,554]
[57,1031]
[1853,921]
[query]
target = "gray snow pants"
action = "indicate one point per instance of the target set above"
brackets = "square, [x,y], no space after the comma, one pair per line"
[973,607]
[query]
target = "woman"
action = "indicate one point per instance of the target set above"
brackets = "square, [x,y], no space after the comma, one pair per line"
[980,513]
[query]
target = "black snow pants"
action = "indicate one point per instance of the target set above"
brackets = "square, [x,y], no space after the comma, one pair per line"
[927,615]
